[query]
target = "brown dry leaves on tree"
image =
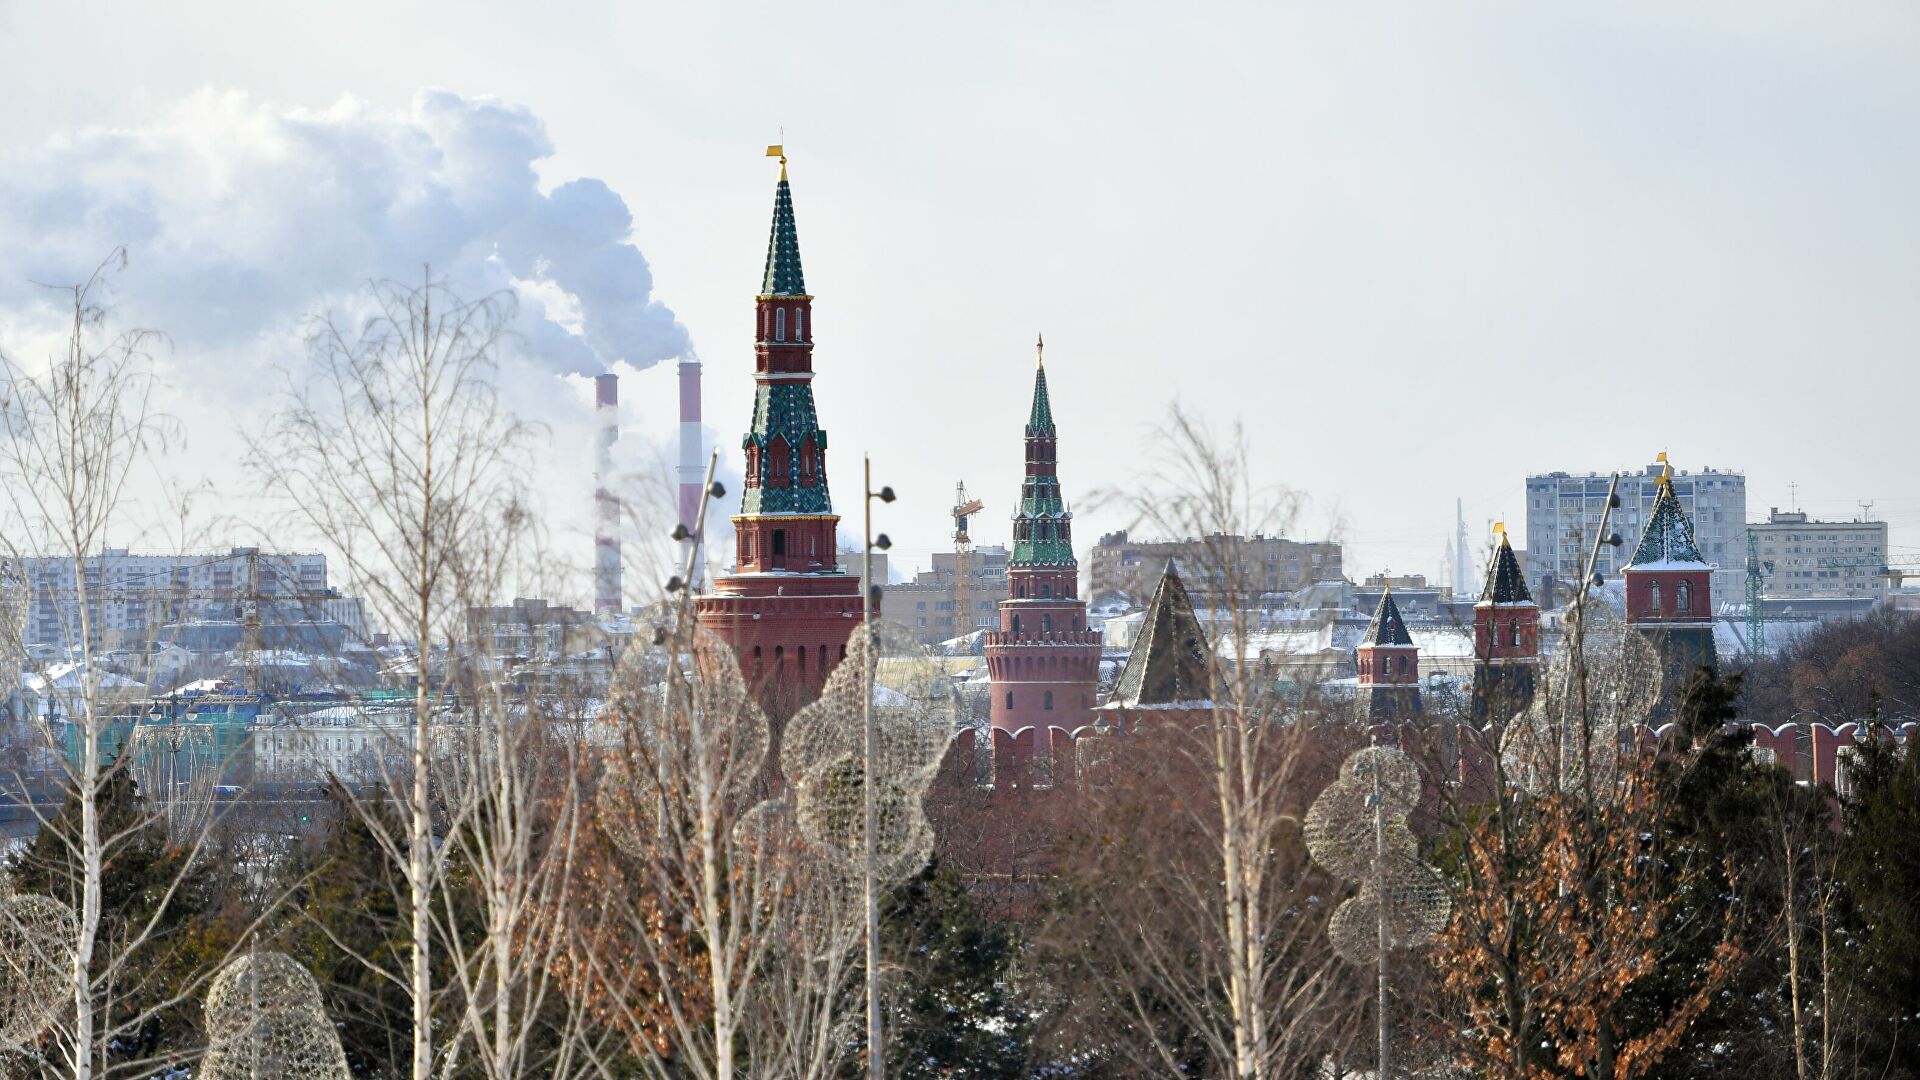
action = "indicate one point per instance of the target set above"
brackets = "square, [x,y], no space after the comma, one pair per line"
[1562,927]
[608,970]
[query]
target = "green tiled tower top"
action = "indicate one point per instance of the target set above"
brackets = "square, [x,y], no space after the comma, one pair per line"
[1043,528]
[1040,419]
[785,411]
[783,277]
[786,443]
[1387,627]
[1667,540]
[1505,583]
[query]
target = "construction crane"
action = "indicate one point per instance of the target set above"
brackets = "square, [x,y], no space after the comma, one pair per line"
[964,621]
[1756,615]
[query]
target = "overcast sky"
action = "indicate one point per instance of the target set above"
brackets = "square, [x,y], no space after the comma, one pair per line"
[1420,249]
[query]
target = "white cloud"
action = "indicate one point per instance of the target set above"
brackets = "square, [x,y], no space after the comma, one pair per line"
[245,221]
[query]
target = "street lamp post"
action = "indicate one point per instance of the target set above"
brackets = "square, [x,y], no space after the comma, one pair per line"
[870,883]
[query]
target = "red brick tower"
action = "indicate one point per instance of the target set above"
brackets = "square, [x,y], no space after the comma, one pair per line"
[1043,662]
[787,607]
[1506,640]
[1389,664]
[1670,588]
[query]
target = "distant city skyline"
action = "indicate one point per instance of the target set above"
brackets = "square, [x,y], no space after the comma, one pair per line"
[1420,254]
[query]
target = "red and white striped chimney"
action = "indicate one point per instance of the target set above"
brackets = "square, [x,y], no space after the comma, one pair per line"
[606,508]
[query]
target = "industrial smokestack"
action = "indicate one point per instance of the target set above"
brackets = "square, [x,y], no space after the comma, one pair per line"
[606,508]
[690,456]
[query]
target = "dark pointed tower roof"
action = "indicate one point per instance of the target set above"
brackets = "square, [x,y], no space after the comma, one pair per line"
[783,277]
[1170,661]
[1505,583]
[1387,627]
[1667,542]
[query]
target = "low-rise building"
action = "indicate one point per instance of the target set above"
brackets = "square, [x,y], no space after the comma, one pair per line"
[930,604]
[1804,557]
[1217,570]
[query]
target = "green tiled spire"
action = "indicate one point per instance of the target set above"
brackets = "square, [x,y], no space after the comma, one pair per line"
[783,277]
[1043,529]
[1387,627]
[1040,420]
[1668,538]
[1505,583]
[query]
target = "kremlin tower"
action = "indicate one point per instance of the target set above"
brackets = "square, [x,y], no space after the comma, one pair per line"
[1670,587]
[1506,640]
[787,607]
[1389,664]
[1043,662]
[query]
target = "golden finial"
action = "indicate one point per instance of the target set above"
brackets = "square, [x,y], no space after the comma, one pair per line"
[779,150]
[1665,478]
[1500,529]
[1040,350]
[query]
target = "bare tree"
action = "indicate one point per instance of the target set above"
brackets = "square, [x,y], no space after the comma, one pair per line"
[1230,963]
[74,435]
[398,451]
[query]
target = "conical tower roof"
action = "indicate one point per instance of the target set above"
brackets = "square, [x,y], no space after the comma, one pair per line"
[1387,627]
[783,276]
[1040,418]
[1170,662]
[1667,542]
[1505,584]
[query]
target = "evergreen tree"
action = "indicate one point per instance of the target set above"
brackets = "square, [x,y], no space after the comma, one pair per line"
[346,924]
[955,1012]
[172,914]
[1879,872]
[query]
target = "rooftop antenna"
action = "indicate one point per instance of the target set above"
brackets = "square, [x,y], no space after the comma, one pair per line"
[1793,494]
[1866,510]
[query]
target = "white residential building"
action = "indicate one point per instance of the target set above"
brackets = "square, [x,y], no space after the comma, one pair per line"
[1800,557]
[1563,518]
[130,597]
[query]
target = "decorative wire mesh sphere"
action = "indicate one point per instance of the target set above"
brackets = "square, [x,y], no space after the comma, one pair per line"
[823,755]
[1339,831]
[265,1018]
[1399,776]
[830,809]
[681,715]
[915,708]
[36,941]
[176,768]
[1353,836]
[1416,910]
[1570,738]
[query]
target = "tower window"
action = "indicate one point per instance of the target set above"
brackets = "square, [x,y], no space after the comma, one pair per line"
[1016,624]
[779,324]
[1046,702]
[1683,596]
[1046,621]
[779,542]
[1009,699]
[1516,633]
[799,322]
[1653,593]
[1046,590]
